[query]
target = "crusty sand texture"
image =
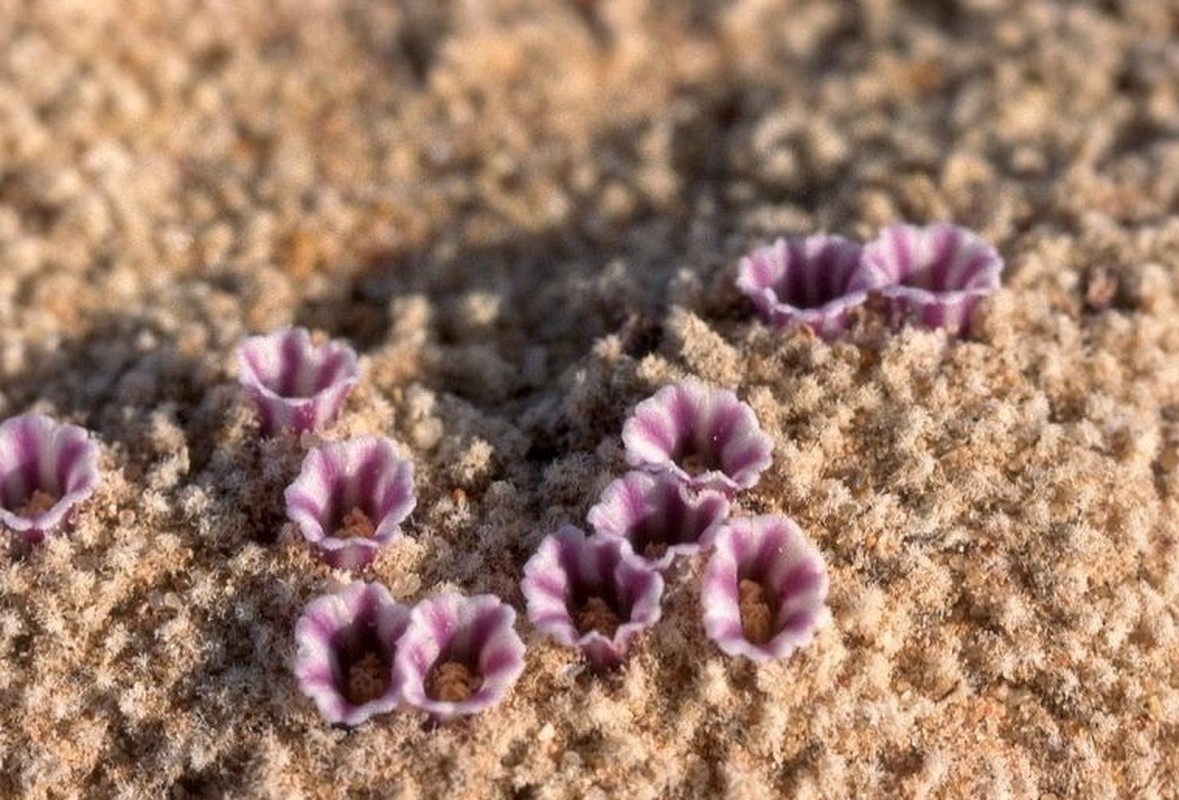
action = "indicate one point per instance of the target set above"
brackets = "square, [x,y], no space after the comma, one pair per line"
[526,216]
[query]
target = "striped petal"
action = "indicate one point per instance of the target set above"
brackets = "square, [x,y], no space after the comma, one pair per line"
[764,589]
[459,655]
[296,385]
[46,468]
[350,499]
[658,516]
[346,644]
[933,276]
[706,438]
[816,282]
[592,593]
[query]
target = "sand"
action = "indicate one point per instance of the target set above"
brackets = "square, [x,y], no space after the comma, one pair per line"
[526,216]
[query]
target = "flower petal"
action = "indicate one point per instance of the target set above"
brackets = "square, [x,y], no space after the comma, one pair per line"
[569,571]
[363,487]
[476,633]
[933,276]
[706,438]
[772,553]
[816,282]
[296,385]
[332,636]
[46,468]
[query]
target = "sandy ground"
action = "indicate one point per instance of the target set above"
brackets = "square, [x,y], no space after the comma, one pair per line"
[526,216]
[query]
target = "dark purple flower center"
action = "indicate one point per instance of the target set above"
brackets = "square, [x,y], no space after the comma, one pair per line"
[757,613]
[813,279]
[366,669]
[668,523]
[38,502]
[452,682]
[596,614]
[366,678]
[696,461]
[355,524]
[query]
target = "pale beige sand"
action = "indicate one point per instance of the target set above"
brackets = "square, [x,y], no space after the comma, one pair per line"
[526,216]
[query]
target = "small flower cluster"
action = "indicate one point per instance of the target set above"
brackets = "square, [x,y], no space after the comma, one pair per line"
[350,497]
[694,449]
[931,276]
[359,652]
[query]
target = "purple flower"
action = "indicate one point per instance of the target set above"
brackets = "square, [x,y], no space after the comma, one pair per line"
[350,499]
[296,385]
[814,281]
[707,438]
[933,275]
[659,516]
[764,588]
[459,655]
[346,646]
[592,593]
[45,469]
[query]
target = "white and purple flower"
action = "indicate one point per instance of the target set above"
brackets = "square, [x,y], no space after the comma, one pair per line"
[706,438]
[46,468]
[592,593]
[764,589]
[351,497]
[346,647]
[459,655]
[296,384]
[933,276]
[658,516]
[814,281]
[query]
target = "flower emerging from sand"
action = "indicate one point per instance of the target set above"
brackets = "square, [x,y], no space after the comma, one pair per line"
[350,499]
[592,593]
[815,281]
[45,469]
[346,645]
[296,384]
[706,437]
[933,275]
[764,588]
[659,516]
[459,655]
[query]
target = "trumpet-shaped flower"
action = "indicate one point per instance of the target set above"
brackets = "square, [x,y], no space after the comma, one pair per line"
[706,438]
[46,468]
[296,385]
[346,647]
[350,499]
[459,655]
[933,276]
[592,593]
[658,515]
[765,588]
[816,282]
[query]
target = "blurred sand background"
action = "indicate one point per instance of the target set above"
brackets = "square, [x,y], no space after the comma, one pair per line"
[526,216]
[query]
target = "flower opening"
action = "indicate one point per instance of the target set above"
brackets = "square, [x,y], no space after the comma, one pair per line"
[46,468]
[350,499]
[460,655]
[592,593]
[933,276]
[658,515]
[765,588]
[816,281]
[296,384]
[706,438]
[346,645]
